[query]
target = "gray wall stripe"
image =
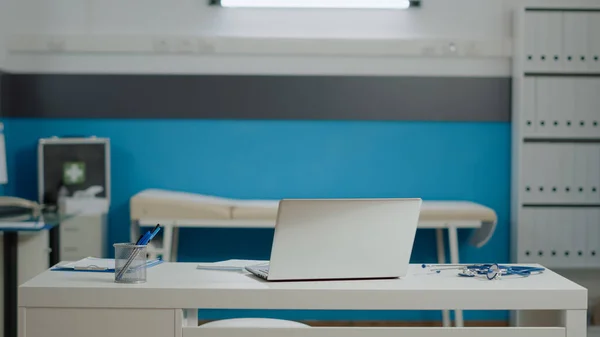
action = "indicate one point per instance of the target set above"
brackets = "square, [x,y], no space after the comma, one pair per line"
[258,97]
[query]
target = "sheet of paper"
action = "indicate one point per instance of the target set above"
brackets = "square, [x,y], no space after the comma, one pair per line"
[230,264]
[92,263]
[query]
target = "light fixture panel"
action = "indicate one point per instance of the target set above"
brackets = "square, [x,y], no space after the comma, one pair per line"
[319,4]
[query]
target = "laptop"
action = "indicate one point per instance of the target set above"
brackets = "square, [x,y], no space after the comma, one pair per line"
[338,239]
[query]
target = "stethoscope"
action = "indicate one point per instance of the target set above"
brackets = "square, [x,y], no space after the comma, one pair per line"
[491,271]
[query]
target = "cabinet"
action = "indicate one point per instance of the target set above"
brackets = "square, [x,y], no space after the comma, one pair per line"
[556,137]
[74,174]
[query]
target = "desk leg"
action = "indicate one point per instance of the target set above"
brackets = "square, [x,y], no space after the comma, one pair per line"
[10,283]
[575,323]
[453,241]
[441,253]
[54,245]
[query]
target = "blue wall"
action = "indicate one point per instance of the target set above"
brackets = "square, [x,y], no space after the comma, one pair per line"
[276,159]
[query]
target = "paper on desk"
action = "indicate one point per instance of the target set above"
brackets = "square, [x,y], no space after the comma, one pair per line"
[230,264]
[91,263]
[94,264]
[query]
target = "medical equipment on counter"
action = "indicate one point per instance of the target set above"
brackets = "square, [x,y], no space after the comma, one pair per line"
[491,271]
[74,175]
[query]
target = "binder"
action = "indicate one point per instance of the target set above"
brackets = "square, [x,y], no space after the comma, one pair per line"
[580,177]
[575,43]
[554,171]
[545,236]
[593,238]
[543,227]
[573,99]
[594,106]
[557,102]
[579,236]
[586,101]
[529,44]
[554,236]
[544,104]
[527,236]
[567,173]
[593,163]
[585,165]
[529,115]
[543,31]
[548,45]
[546,171]
[537,221]
[527,174]
[566,222]
[594,40]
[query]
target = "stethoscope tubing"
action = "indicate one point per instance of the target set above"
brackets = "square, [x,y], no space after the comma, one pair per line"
[490,270]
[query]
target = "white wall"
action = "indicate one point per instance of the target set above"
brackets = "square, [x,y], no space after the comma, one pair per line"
[473,20]
[435,18]
[481,29]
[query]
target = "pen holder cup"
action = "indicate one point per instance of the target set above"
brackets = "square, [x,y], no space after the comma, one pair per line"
[130,263]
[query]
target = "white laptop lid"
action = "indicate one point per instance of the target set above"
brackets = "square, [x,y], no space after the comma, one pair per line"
[343,238]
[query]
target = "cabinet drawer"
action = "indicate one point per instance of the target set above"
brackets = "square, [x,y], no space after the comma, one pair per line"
[44,322]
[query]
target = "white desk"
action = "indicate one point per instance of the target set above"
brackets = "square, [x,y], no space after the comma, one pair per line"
[77,304]
[438,215]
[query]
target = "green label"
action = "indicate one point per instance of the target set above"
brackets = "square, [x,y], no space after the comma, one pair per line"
[73,173]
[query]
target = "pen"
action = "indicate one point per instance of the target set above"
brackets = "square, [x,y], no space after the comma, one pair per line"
[154,232]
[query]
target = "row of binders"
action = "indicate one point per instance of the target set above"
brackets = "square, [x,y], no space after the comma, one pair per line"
[561,106]
[560,173]
[560,237]
[561,41]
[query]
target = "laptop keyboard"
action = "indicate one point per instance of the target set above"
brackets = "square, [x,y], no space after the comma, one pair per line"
[264,269]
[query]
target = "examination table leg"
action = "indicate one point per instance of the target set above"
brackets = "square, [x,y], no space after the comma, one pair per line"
[441,253]
[453,240]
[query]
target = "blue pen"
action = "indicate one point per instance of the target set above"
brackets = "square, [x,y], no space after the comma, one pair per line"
[143,238]
[156,230]
[148,236]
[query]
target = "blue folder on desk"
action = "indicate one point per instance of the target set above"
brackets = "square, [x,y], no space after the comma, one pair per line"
[93,264]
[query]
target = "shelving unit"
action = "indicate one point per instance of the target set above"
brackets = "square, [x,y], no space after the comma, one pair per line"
[556,137]
[555,210]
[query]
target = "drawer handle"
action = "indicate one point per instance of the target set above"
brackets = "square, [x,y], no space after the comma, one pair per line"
[71,229]
[70,249]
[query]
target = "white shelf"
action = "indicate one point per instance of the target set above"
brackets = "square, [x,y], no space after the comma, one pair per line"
[556,136]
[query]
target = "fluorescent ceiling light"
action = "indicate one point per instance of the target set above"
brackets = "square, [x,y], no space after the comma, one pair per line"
[352,4]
